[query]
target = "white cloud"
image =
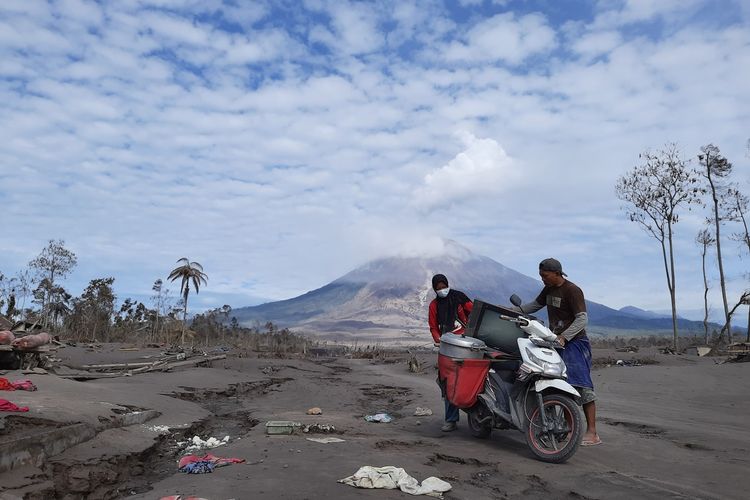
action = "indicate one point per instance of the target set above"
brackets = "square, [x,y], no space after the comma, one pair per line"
[593,44]
[483,168]
[626,12]
[281,166]
[503,37]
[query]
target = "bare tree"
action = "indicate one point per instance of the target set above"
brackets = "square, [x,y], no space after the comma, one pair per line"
[714,168]
[55,261]
[656,191]
[23,288]
[737,205]
[705,240]
[743,300]
[8,295]
[93,311]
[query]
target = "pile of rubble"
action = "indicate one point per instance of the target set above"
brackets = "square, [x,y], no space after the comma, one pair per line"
[25,347]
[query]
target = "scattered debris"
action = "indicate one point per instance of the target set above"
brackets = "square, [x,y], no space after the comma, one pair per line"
[628,362]
[168,362]
[422,412]
[326,440]
[318,429]
[200,444]
[180,497]
[667,350]
[315,411]
[161,429]
[629,348]
[379,417]
[698,350]
[415,366]
[282,427]
[270,369]
[739,358]
[392,478]
[25,351]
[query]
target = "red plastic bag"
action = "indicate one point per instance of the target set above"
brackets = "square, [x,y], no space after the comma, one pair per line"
[463,379]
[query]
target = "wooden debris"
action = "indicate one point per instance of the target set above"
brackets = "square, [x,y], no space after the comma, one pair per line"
[124,371]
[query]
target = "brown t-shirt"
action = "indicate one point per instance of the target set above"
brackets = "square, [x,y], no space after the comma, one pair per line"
[563,303]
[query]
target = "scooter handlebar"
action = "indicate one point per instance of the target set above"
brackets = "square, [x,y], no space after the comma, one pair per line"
[519,321]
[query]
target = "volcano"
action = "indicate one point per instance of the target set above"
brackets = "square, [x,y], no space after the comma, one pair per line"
[388,298]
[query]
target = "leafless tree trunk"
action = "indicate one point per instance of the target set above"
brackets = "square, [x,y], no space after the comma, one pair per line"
[744,299]
[705,239]
[716,167]
[656,191]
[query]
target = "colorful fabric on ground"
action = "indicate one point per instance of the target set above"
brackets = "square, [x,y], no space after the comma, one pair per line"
[6,405]
[198,468]
[185,463]
[24,385]
[18,385]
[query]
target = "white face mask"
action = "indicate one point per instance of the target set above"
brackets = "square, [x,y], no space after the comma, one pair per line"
[443,293]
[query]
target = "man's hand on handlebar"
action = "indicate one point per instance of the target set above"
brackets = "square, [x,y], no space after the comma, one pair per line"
[561,340]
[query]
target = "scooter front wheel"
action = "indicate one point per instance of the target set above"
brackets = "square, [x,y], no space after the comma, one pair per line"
[559,441]
[480,420]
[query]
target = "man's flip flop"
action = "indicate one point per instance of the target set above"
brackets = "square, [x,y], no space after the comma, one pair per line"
[587,442]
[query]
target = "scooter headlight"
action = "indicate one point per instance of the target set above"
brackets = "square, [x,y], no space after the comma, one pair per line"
[549,369]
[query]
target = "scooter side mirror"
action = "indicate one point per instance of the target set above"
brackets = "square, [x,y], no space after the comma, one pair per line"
[515,300]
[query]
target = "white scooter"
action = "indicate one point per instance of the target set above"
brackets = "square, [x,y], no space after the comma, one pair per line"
[530,394]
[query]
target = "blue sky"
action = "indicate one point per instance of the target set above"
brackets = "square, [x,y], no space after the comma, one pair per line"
[281,144]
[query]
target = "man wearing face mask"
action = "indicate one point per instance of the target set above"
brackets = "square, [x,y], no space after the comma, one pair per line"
[566,309]
[449,312]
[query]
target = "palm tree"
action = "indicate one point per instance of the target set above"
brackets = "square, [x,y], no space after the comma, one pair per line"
[188,271]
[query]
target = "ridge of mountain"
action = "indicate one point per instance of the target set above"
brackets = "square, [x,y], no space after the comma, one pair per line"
[393,294]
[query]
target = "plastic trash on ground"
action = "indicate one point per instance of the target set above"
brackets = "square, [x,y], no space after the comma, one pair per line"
[326,440]
[196,443]
[281,427]
[379,417]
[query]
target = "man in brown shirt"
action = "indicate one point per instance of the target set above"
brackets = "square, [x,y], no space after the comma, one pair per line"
[566,308]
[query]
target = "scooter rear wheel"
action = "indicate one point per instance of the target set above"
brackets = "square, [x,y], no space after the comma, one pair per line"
[560,443]
[479,427]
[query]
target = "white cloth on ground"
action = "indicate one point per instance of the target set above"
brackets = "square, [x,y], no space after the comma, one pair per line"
[390,478]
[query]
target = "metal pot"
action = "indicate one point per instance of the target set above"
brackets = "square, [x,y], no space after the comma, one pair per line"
[460,347]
